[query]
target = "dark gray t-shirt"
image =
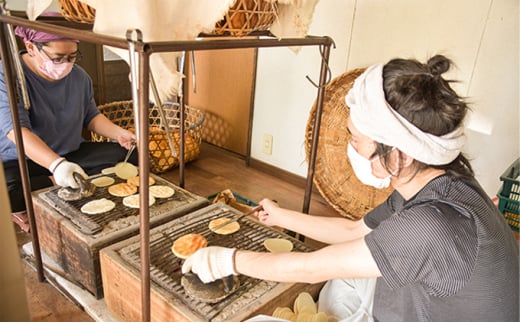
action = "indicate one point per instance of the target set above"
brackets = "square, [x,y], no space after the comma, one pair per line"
[59,111]
[447,254]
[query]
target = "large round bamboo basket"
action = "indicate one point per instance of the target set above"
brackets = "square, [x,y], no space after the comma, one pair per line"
[334,176]
[161,157]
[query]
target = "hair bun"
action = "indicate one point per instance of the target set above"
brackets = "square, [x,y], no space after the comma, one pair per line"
[438,64]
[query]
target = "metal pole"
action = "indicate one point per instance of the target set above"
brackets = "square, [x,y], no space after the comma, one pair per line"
[140,95]
[182,117]
[316,128]
[144,173]
[22,162]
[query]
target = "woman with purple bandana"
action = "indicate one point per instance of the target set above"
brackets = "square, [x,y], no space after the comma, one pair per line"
[437,249]
[62,104]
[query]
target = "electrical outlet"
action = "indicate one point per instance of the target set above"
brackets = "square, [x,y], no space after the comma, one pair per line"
[267,144]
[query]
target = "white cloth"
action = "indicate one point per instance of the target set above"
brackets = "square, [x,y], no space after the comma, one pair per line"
[375,118]
[36,8]
[348,300]
[293,19]
[170,20]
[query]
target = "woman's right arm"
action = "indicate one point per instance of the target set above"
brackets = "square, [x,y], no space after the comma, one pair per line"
[35,148]
[330,230]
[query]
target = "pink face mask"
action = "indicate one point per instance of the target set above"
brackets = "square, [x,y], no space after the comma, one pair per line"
[54,71]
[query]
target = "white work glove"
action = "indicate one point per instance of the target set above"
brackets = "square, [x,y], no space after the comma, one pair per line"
[62,171]
[211,263]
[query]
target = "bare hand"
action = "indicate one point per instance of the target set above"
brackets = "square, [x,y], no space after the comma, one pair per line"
[126,138]
[269,213]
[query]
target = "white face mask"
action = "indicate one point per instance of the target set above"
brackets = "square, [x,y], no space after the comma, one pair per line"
[363,169]
[54,71]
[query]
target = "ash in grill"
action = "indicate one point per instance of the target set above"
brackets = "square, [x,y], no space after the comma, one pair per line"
[121,216]
[165,267]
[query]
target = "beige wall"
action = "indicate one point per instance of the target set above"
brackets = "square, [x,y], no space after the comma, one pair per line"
[481,36]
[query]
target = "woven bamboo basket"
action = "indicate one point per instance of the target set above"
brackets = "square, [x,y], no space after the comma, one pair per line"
[247,16]
[334,176]
[161,158]
[77,11]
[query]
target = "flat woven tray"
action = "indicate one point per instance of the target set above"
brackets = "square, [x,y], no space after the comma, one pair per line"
[334,176]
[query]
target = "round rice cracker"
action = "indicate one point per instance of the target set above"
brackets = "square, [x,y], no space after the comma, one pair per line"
[188,244]
[278,245]
[161,191]
[103,181]
[227,229]
[132,201]
[125,170]
[135,180]
[122,189]
[98,206]
[108,171]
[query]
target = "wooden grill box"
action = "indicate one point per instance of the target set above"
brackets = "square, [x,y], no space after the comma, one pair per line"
[120,268]
[73,240]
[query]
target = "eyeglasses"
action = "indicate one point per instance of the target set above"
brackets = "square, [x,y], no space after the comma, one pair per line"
[74,58]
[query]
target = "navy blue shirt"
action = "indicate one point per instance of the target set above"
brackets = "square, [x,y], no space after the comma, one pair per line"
[59,111]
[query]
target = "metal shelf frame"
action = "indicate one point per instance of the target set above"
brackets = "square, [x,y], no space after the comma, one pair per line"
[144,50]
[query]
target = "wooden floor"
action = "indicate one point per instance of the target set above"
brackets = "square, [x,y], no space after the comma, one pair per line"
[215,170]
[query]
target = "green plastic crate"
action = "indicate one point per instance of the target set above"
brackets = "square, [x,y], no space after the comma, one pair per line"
[509,195]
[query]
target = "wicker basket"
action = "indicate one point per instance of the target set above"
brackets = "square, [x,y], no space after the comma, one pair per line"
[161,158]
[77,11]
[334,176]
[246,16]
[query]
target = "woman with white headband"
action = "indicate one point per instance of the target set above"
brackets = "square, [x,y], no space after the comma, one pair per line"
[437,249]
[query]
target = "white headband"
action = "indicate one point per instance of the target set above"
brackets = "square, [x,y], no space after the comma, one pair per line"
[375,118]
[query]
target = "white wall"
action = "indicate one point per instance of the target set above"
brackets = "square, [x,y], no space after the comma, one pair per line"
[481,36]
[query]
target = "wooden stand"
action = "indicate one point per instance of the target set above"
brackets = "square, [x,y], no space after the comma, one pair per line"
[77,253]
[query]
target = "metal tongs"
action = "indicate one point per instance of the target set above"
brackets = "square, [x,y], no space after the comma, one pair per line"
[255,209]
[86,188]
[132,147]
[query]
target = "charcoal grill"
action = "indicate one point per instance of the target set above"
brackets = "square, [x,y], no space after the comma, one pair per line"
[120,216]
[120,266]
[73,239]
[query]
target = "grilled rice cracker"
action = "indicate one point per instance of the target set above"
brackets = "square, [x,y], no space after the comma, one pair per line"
[161,191]
[135,180]
[98,206]
[304,303]
[133,201]
[108,171]
[125,170]
[227,229]
[122,189]
[284,313]
[103,181]
[187,244]
[278,245]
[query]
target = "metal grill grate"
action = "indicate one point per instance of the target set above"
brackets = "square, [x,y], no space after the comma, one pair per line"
[165,268]
[95,223]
